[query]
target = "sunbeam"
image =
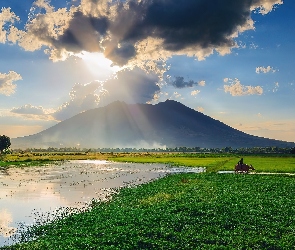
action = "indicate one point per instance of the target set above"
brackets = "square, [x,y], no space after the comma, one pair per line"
[97,64]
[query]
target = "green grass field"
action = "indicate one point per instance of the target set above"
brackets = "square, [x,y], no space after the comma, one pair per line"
[184,211]
[212,162]
[216,162]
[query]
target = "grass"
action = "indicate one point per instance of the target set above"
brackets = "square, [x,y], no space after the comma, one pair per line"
[212,162]
[37,159]
[273,164]
[216,162]
[184,211]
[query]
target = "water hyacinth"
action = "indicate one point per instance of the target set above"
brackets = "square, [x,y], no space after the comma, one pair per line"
[183,211]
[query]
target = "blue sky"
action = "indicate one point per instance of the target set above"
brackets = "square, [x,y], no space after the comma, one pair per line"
[232,60]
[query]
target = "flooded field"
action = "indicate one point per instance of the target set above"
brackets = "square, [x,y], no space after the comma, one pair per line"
[30,194]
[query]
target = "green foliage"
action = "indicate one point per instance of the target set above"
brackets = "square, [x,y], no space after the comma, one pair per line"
[4,143]
[272,164]
[213,162]
[37,158]
[184,211]
[280,163]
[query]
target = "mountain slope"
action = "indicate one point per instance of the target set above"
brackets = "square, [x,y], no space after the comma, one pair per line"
[120,125]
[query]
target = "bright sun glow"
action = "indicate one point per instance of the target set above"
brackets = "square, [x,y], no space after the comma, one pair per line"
[97,64]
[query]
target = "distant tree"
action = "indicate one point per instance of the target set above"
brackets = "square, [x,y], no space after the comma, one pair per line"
[293,150]
[228,149]
[4,143]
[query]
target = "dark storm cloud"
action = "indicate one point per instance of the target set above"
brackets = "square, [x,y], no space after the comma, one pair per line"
[120,56]
[179,24]
[179,82]
[135,29]
[185,23]
[83,33]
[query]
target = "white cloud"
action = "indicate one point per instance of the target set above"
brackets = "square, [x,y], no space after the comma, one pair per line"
[202,83]
[7,86]
[283,130]
[276,87]
[5,220]
[133,33]
[176,94]
[226,79]
[130,86]
[265,6]
[265,69]
[82,97]
[31,112]
[43,4]
[200,109]
[7,17]
[29,109]
[195,92]
[42,28]
[237,89]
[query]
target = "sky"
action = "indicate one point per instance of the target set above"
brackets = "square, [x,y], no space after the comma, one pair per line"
[231,60]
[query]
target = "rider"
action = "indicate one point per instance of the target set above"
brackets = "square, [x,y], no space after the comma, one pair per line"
[241,162]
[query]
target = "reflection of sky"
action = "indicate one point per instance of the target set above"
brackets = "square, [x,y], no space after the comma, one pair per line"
[5,220]
[27,194]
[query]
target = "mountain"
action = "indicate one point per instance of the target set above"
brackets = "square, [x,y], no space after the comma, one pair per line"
[124,125]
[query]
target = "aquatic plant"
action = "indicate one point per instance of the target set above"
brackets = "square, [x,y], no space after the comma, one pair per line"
[183,211]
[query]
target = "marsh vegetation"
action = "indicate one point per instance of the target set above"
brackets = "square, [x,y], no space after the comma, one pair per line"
[184,211]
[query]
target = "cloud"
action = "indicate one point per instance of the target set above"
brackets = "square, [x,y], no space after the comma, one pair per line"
[179,82]
[276,87]
[134,31]
[82,97]
[202,83]
[195,92]
[43,28]
[130,86]
[265,70]
[200,109]
[7,18]
[176,94]
[237,89]
[284,130]
[29,111]
[7,86]
[265,6]
[5,220]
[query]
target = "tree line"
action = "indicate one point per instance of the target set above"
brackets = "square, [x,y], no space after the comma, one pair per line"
[254,150]
[5,145]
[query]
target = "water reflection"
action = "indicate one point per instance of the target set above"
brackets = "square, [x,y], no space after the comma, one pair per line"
[5,220]
[29,192]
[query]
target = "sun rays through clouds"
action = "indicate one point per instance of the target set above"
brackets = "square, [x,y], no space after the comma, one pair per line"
[142,52]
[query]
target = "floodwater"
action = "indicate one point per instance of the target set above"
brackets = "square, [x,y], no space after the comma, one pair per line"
[27,194]
[226,172]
